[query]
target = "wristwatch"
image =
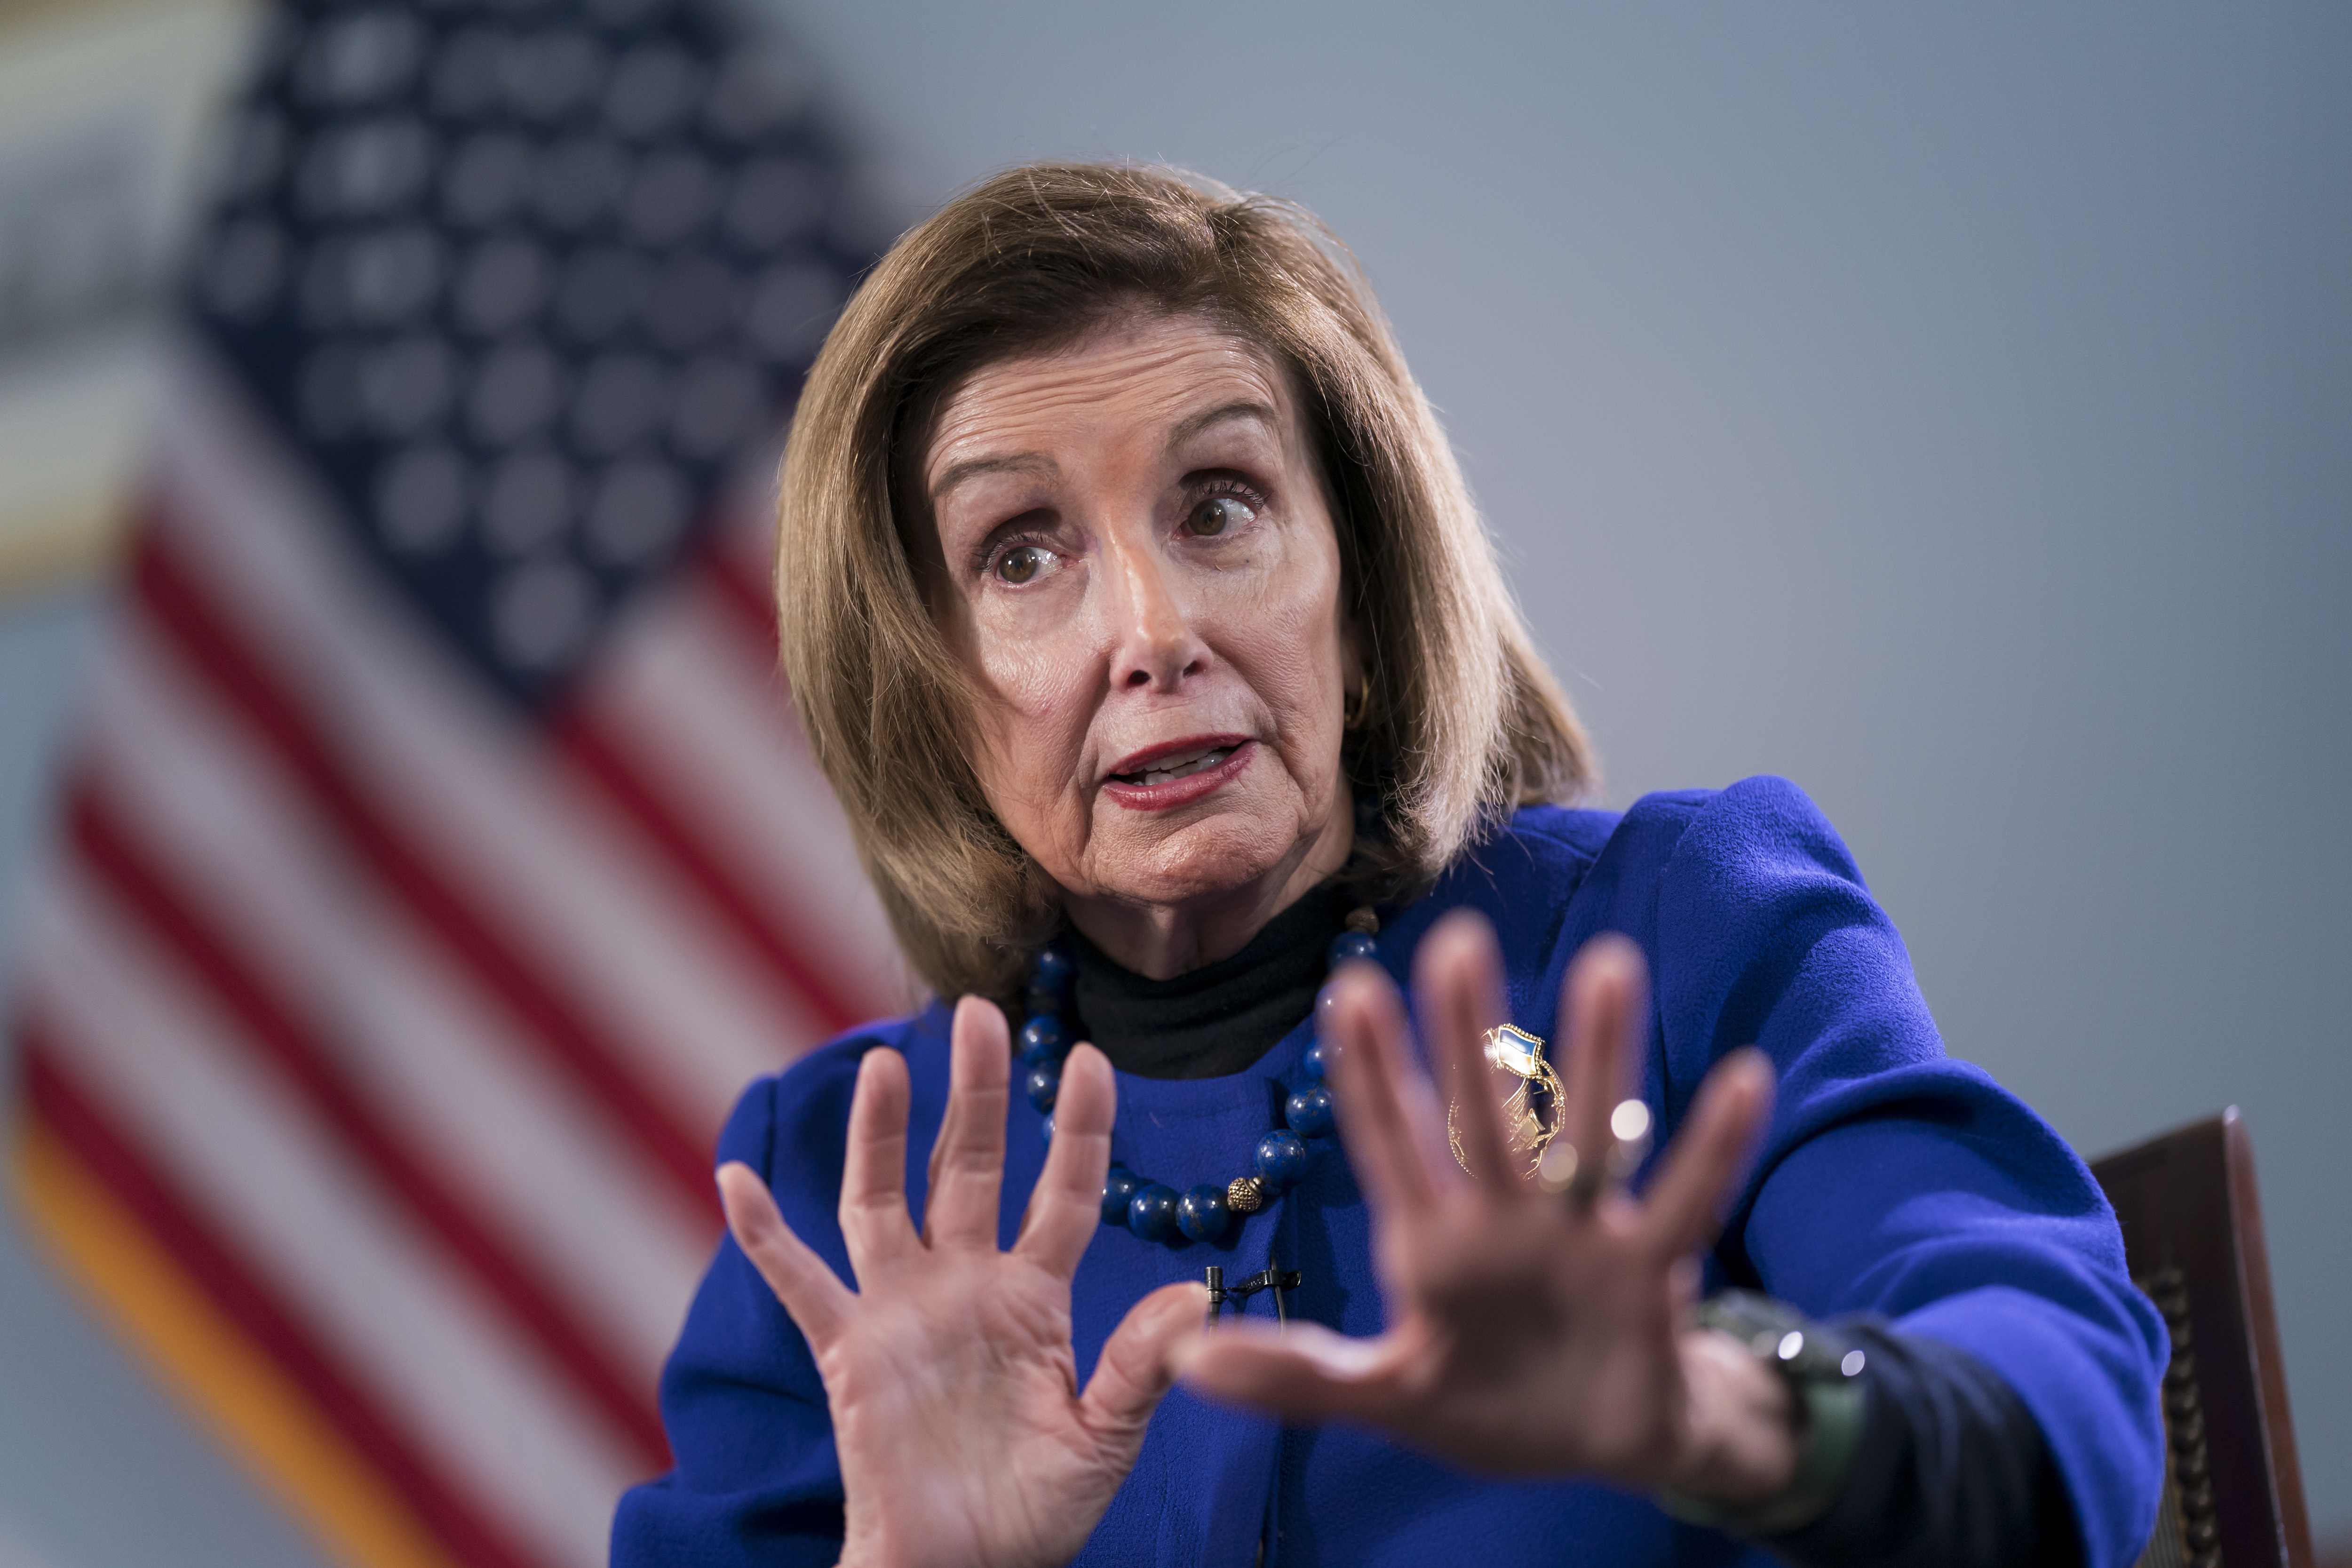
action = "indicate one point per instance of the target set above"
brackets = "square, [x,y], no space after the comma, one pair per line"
[1823,1372]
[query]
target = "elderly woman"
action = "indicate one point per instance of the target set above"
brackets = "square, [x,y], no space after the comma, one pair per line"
[1137,611]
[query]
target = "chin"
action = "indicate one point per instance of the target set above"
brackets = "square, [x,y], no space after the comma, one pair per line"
[1200,859]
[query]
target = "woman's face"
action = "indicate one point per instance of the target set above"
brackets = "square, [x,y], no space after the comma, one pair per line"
[1137,564]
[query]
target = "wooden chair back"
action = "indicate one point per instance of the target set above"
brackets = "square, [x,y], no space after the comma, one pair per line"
[2192,1229]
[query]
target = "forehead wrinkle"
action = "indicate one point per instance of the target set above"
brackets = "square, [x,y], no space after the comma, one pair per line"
[1045,388]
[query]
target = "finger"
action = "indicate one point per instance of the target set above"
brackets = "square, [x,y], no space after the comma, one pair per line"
[1684,1203]
[1304,1373]
[1065,1208]
[1377,1093]
[811,1293]
[1684,1277]
[874,1222]
[968,1157]
[1458,986]
[1138,1365]
[1606,1004]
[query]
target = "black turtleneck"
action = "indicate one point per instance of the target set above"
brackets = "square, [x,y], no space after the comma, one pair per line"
[1221,1017]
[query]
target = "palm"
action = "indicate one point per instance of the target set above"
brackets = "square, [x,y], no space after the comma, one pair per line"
[962,1433]
[1527,1335]
[1516,1320]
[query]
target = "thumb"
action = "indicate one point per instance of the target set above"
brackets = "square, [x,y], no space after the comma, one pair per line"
[1139,1363]
[1306,1373]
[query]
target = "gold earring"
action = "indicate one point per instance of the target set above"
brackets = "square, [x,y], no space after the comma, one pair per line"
[1356,707]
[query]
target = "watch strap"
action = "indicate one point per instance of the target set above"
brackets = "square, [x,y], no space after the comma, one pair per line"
[1823,1370]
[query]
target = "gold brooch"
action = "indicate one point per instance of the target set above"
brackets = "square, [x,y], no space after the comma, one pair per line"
[1531,1112]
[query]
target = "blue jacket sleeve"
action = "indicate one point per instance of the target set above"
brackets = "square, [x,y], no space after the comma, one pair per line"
[1895,1180]
[756,1480]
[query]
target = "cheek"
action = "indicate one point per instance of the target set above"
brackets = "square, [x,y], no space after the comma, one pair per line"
[1032,712]
[1287,641]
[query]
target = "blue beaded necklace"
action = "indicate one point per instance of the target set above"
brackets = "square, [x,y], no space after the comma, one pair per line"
[1153,1210]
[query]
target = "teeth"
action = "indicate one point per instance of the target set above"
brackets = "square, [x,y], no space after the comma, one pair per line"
[1187,769]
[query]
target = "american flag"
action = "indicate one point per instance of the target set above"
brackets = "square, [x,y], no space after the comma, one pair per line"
[440,860]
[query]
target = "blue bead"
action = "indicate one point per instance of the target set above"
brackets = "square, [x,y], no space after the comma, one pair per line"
[1120,1188]
[1281,1160]
[1151,1213]
[1045,1083]
[1347,947]
[1312,1064]
[1309,1111]
[1042,1040]
[1045,1130]
[1051,971]
[1201,1215]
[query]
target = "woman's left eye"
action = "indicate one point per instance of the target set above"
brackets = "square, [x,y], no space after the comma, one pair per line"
[1212,516]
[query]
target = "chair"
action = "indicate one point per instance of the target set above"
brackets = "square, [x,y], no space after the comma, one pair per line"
[2193,1238]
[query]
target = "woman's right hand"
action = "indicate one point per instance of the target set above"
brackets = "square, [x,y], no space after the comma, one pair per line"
[962,1437]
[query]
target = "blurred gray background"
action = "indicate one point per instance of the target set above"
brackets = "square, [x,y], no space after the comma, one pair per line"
[1950,410]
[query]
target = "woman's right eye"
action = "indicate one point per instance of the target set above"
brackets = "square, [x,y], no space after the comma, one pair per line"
[1023,562]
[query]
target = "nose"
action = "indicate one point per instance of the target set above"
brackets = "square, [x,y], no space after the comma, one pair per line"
[1156,643]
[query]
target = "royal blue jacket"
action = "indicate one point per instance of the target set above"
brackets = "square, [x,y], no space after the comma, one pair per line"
[1894,1180]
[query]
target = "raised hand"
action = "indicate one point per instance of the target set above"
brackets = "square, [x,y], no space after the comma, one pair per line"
[1537,1327]
[962,1436]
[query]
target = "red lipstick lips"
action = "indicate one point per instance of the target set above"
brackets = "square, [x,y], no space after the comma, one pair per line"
[1184,770]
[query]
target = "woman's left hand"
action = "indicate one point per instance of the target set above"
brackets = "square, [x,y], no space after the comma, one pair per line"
[1531,1332]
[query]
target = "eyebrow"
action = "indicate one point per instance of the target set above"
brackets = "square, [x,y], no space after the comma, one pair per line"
[973,468]
[1037,462]
[1223,414]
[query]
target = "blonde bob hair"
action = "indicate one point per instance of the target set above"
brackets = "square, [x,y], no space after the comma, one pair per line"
[1459,721]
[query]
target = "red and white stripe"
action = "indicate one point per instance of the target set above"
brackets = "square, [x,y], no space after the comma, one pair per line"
[406,1025]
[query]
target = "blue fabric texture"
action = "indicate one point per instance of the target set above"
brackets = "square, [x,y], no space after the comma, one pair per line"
[1894,1180]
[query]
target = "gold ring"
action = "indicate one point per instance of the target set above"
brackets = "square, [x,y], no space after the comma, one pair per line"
[1562,1171]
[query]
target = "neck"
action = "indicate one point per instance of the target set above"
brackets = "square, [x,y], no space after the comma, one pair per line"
[1160,941]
